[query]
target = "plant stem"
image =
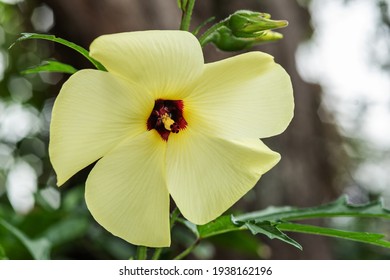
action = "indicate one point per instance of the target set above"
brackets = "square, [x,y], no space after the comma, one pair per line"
[157,254]
[174,215]
[141,253]
[203,24]
[205,38]
[187,14]
[187,251]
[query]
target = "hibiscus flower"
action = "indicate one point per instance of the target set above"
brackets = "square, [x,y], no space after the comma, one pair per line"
[159,123]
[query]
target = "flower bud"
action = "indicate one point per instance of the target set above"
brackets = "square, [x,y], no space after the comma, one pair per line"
[225,40]
[242,30]
[248,24]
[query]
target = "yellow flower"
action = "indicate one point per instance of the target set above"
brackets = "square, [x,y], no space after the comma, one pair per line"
[160,122]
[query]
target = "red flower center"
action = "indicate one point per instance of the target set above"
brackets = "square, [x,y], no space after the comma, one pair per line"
[167,117]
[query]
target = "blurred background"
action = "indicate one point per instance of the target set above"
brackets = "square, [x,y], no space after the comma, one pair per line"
[338,55]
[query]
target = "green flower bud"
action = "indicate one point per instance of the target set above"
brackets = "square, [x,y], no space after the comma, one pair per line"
[225,40]
[242,30]
[248,24]
[269,36]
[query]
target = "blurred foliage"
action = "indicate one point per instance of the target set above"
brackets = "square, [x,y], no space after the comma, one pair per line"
[53,220]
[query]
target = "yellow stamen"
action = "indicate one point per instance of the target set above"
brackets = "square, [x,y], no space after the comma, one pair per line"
[167,121]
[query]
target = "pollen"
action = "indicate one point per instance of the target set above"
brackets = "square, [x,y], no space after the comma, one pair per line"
[166,117]
[167,121]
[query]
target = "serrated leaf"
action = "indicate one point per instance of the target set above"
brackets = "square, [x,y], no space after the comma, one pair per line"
[38,248]
[79,49]
[220,225]
[274,220]
[338,208]
[51,66]
[366,237]
[272,232]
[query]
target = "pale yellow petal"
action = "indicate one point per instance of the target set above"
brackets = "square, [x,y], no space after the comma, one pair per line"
[164,61]
[207,175]
[126,191]
[247,95]
[93,113]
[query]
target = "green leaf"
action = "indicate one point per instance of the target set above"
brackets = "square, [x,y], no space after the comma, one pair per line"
[220,225]
[224,224]
[271,231]
[51,66]
[273,221]
[338,208]
[366,237]
[81,50]
[38,248]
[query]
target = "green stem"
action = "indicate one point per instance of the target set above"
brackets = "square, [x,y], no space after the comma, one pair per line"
[141,253]
[187,14]
[157,254]
[174,215]
[187,251]
[206,37]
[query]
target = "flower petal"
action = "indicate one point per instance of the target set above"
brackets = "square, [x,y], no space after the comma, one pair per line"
[207,175]
[165,61]
[93,113]
[248,95]
[126,191]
